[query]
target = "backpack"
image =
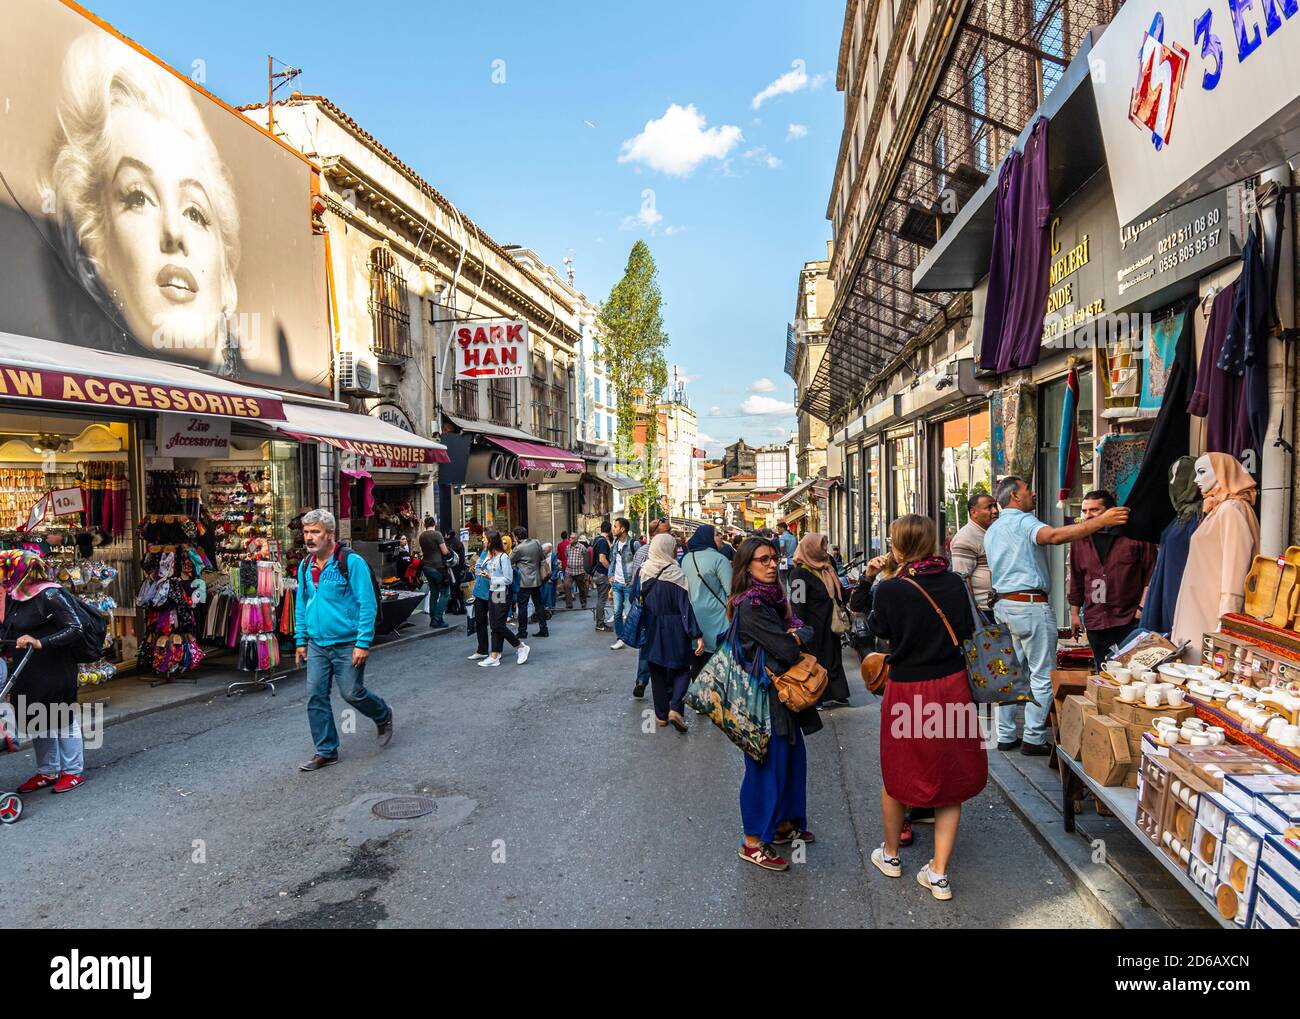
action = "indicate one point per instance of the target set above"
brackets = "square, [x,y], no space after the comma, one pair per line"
[89,645]
[340,557]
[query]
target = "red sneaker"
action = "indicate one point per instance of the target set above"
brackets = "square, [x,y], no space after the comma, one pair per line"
[905,839]
[67,782]
[762,856]
[38,781]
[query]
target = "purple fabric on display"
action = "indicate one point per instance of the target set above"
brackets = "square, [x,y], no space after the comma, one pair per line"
[1219,396]
[1022,325]
[1000,262]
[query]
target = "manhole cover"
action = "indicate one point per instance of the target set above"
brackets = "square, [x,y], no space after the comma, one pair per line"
[402,808]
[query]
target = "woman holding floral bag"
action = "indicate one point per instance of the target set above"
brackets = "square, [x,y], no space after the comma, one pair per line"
[924,612]
[773,794]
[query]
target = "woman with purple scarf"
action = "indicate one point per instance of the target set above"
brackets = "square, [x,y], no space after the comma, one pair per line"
[774,794]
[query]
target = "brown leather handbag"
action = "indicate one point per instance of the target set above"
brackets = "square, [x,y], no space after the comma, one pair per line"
[802,685]
[875,671]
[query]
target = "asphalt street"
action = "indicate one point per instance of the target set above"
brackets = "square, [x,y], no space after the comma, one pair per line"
[558,804]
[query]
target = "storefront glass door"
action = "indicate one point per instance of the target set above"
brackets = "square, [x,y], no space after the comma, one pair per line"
[1047,483]
[904,476]
[875,504]
[852,503]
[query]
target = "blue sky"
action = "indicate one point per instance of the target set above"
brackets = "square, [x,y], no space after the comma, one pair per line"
[600,103]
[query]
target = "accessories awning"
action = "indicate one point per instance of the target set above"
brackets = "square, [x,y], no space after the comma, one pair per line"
[46,370]
[538,456]
[361,434]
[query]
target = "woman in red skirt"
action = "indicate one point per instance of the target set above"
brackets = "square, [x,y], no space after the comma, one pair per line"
[931,751]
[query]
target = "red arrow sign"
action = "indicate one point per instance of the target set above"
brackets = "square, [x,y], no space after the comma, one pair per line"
[479,371]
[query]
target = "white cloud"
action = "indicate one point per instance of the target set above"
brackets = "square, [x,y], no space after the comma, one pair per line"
[761,154]
[679,141]
[796,131]
[762,386]
[715,411]
[765,406]
[669,231]
[648,218]
[794,80]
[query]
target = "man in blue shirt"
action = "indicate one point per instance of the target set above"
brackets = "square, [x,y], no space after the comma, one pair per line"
[600,572]
[786,544]
[1016,547]
[335,610]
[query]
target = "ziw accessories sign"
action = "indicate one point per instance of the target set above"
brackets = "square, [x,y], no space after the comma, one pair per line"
[496,349]
[1194,97]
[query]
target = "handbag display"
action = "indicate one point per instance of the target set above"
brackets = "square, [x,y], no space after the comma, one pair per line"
[996,673]
[734,698]
[802,685]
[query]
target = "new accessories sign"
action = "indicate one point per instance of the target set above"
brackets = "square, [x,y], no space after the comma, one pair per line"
[1194,97]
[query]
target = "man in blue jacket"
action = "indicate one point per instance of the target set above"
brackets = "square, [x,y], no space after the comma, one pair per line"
[336,609]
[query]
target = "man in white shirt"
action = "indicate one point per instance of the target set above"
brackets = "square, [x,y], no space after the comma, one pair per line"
[967,549]
[620,576]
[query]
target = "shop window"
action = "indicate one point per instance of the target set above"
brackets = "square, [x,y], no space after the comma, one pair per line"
[904,477]
[389,305]
[1049,37]
[964,467]
[852,502]
[876,531]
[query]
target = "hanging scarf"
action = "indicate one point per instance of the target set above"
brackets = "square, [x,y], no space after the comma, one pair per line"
[1183,492]
[926,567]
[814,553]
[1067,466]
[662,563]
[1234,483]
[770,595]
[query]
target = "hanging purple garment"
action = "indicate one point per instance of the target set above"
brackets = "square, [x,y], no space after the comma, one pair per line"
[1022,326]
[1219,396]
[1000,262]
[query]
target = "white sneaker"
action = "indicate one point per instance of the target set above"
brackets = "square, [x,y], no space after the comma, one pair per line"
[939,887]
[521,654]
[889,866]
[489,663]
[475,657]
[618,645]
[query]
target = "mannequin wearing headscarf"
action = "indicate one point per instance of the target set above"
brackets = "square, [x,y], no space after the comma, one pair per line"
[673,639]
[815,589]
[1175,540]
[39,617]
[1220,552]
[708,572]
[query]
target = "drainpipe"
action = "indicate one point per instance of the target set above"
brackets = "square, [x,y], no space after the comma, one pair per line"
[1278,466]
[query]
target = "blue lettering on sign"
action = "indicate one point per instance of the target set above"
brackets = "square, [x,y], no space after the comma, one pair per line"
[1271,21]
[1246,43]
[1211,49]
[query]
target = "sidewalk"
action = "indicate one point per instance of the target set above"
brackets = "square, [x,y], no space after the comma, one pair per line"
[1129,889]
[130,697]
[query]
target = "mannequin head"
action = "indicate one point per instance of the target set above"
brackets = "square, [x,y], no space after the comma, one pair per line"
[1206,479]
[1184,493]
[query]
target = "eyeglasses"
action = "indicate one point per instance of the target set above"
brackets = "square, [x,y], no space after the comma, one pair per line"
[764,559]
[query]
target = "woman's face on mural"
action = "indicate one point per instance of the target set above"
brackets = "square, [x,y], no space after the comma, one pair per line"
[162,257]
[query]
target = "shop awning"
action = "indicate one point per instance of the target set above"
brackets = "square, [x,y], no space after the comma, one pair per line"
[45,370]
[623,483]
[823,485]
[361,434]
[798,514]
[538,456]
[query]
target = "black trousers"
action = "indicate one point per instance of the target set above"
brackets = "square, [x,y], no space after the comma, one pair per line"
[455,600]
[1101,640]
[669,689]
[533,594]
[501,633]
[482,616]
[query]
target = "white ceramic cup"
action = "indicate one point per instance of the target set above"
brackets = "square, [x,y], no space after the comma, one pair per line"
[1201,739]
[1176,696]
[1193,723]
[1153,696]
[1290,736]
[1275,727]
[1120,675]
[1128,694]
[1169,734]
[1217,735]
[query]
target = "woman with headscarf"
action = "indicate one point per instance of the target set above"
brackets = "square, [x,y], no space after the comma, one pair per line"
[672,636]
[1175,542]
[42,623]
[709,575]
[815,588]
[774,794]
[1220,553]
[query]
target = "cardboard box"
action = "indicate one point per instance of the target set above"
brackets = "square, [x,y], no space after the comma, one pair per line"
[1186,756]
[1282,856]
[1213,771]
[1106,754]
[1141,713]
[1103,693]
[1284,896]
[1244,789]
[1131,778]
[1075,710]
[1068,681]
[1279,811]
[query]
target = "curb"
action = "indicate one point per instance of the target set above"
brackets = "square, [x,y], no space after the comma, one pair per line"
[209,693]
[1110,899]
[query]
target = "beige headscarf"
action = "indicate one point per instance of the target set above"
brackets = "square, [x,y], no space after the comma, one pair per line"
[813,553]
[1234,483]
[662,563]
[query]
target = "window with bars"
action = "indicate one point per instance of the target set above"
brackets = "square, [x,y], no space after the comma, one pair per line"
[465,398]
[501,401]
[1049,37]
[390,314]
[979,103]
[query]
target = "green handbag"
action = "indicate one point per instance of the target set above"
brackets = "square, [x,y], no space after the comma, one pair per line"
[734,699]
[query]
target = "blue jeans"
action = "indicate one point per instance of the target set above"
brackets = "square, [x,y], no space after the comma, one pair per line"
[439,592]
[620,606]
[642,668]
[1033,634]
[324,666]
[60,752]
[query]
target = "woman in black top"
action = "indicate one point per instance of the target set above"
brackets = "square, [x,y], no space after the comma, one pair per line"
[774,794]
[931,750]
[41,621]
[815,588]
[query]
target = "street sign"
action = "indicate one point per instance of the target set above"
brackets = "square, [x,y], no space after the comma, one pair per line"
[496,349]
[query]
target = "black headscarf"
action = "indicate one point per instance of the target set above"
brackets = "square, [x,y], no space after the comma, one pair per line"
[704,537]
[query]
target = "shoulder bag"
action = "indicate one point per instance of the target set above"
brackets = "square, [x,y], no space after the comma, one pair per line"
[802,685]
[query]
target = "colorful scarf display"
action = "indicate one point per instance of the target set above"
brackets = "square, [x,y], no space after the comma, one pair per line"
[1067,465]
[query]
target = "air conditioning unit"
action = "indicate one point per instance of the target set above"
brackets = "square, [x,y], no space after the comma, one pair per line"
[357,375]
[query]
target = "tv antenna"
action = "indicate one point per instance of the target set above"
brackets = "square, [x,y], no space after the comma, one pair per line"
[276,80]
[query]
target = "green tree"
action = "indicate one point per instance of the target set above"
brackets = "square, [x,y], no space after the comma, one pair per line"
[633,354]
